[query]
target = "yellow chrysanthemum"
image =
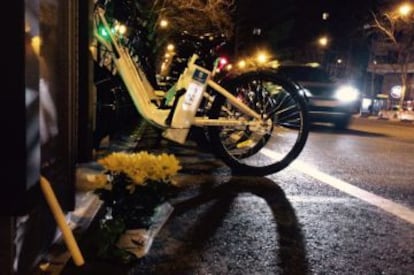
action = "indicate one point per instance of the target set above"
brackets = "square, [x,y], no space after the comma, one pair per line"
[141,167]
[114,162]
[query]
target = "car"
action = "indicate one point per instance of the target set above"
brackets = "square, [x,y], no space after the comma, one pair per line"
[328,101]
[397,113]
[406,115]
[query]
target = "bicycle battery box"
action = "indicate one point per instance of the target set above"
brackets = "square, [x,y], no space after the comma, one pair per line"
[195,82]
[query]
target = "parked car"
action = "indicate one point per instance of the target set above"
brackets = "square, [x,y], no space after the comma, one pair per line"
[397,113]
[329,101]
[406,115]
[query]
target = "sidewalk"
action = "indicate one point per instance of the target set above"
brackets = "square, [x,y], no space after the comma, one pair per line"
[391,120]
[199,169]
[375,117]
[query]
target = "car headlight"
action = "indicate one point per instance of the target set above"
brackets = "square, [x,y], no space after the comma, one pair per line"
[347,93]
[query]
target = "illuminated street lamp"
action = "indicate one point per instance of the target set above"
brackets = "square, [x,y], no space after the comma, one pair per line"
[118,27]
[323,41]
[122,29]
[262,58]
[405,9]
[170,47]
[241,64]
[163,23]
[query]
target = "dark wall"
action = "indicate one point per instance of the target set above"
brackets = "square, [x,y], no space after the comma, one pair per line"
[40,117]
[13,112]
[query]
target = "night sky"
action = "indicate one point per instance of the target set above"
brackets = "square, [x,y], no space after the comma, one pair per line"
[293,25]
[346,18]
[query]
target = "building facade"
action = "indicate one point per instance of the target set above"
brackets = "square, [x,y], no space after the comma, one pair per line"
[385,75]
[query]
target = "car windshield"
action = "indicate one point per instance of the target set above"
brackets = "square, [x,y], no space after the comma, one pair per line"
[305,74]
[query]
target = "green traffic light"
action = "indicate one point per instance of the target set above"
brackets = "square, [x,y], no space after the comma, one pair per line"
[103,32]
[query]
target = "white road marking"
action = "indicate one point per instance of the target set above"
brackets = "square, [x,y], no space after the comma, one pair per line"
[387,205]
[320,199]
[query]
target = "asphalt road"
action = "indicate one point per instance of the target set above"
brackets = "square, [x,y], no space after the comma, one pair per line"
[345,206]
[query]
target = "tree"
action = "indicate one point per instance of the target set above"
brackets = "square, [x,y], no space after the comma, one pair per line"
[188,20]
[196,16]
[149,38]
[396,27]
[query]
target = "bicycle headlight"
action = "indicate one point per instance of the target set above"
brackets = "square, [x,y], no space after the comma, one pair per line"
[347,93]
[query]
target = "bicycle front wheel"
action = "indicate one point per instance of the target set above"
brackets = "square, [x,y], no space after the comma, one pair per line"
[276,140]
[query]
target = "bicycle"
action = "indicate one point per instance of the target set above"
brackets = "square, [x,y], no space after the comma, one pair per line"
[257,122]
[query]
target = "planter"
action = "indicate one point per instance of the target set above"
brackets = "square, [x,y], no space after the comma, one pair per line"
[138,241]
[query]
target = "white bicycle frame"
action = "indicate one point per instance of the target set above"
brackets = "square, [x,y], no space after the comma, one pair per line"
[194,80]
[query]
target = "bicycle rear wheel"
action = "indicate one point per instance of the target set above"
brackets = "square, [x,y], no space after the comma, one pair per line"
[283,130]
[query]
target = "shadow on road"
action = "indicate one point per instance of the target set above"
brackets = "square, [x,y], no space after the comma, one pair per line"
[189,254]
[201,219]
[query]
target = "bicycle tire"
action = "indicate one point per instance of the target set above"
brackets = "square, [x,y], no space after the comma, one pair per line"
[261,152]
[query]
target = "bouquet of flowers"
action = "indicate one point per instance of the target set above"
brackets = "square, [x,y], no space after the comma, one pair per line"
[131,188]
[137,183]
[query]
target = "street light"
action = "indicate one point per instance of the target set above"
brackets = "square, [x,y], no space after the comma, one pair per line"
[323,41]
[262,58]
[121,28]
[405,9]
[170,47]
[403,12]
[242,64]
[163,23]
